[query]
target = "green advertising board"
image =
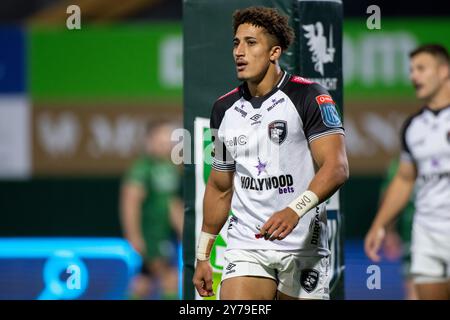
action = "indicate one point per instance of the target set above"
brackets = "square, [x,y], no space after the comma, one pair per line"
[376,62]
[143,62]
[118,62]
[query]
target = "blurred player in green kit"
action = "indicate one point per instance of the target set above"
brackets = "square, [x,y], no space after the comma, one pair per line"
[152,214]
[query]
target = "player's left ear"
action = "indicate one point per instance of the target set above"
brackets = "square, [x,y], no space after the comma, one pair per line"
[275,53]
[444,71]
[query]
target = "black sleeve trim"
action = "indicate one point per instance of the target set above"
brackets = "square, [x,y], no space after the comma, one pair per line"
[404,129]
[222,160]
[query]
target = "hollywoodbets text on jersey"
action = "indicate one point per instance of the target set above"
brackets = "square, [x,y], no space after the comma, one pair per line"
[283,183]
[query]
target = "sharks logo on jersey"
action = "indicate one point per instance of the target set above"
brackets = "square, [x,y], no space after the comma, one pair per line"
[278,131]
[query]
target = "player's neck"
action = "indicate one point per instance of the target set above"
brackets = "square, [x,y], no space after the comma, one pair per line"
[441,99]
[267,83]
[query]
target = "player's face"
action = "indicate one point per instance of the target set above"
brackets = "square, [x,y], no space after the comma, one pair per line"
[252,51]
[426,75]
[158,142]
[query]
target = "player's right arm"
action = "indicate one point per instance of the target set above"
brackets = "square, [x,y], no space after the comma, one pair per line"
[396,197]
[216,206]
[134,191]
[216,202]
[131,199]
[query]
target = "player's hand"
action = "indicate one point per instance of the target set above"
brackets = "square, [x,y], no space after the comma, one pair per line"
[279,225]
[138,244]
[392,245]
[373,241]
[203,279]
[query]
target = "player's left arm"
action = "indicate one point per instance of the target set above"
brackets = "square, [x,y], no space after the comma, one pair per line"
[323,129]
[330,156]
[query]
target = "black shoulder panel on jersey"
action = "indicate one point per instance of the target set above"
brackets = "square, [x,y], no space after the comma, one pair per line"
[317,118]
[222,160]
[221,106]
[405,127]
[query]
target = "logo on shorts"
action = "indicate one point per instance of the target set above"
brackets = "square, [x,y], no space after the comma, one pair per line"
[230,268]
[278,131]
[309,279]
[233,219]
[448,136]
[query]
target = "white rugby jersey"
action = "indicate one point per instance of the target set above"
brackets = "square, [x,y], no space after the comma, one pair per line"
[426,142]
[265,141]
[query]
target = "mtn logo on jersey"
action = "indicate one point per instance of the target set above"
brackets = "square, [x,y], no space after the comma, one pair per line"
[278,131]
[330,116]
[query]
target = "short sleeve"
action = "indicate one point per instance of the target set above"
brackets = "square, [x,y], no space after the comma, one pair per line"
[137,174]
[319,114]
[405,152]
[221,158]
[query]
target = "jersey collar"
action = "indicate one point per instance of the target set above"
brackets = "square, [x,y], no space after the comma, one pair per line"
[436,112]
[256,102]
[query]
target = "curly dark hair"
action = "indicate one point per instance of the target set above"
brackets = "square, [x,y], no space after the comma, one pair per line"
[269,19]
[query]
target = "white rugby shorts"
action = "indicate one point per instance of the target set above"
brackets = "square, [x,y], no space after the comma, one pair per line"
[430,255]
[297,276]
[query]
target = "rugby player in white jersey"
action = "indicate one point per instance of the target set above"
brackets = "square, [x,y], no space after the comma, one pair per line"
[425,167]
[279,154]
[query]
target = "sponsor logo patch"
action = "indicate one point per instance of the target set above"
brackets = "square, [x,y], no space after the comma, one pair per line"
[328,111]
[233,142]
[309,279]
[284,183]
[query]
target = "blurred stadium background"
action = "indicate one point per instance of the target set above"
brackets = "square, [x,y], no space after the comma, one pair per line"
[74,103]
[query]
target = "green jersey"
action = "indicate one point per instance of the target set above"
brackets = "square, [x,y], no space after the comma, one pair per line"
[160,180]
